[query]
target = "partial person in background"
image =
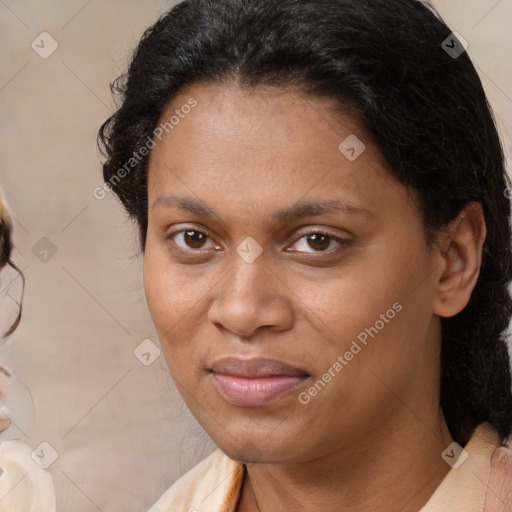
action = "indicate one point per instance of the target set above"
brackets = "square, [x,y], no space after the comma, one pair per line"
[24,485]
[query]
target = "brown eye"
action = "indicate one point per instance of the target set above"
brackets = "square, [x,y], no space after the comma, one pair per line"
[191,240]
[194,239]
[318,241]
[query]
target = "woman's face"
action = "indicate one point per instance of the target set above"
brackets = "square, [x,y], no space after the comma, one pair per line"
[289,280]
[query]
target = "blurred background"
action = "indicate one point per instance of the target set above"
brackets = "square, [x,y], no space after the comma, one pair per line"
[86,348]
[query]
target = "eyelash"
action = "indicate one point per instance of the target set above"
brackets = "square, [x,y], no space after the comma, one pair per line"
[338,240]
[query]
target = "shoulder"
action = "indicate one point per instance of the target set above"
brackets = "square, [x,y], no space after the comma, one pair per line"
[499,488]
[24,485]
[210,483]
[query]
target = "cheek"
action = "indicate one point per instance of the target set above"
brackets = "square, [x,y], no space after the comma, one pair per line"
[352,300]
[177,298]
[158,289]
[383,304]
[170,292]
[171,297]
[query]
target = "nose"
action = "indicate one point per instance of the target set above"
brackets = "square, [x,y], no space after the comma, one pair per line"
[251,297]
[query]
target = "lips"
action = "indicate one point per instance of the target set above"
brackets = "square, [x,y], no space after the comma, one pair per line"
[255,382]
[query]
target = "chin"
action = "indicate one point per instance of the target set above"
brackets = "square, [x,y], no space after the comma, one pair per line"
[255,449]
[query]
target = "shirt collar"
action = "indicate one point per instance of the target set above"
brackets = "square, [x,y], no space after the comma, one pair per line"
[216,483]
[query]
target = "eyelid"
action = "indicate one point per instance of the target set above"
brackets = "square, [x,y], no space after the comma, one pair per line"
[203,230]
[320,231]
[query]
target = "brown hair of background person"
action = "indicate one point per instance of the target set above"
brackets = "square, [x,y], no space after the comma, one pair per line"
[6,248]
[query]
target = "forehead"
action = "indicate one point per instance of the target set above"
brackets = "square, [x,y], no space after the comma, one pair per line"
[274,124]
[262,146]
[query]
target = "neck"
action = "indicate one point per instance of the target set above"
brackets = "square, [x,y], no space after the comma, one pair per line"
[393,467]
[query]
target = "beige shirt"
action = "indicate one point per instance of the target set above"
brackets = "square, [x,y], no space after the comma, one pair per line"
[215,484]
[24,485]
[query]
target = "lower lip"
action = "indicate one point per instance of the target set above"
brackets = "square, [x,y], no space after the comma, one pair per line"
[255,392]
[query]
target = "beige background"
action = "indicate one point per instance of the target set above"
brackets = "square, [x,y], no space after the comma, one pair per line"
[121,431]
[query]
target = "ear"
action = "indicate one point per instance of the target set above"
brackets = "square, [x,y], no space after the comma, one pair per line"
[459,260]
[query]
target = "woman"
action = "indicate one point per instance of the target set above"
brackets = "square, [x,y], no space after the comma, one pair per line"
[320,192]
[24,485]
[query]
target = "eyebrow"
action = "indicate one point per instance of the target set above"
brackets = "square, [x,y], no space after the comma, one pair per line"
[297,211]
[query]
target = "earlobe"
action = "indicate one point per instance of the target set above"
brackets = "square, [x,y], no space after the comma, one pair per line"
[460,257]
